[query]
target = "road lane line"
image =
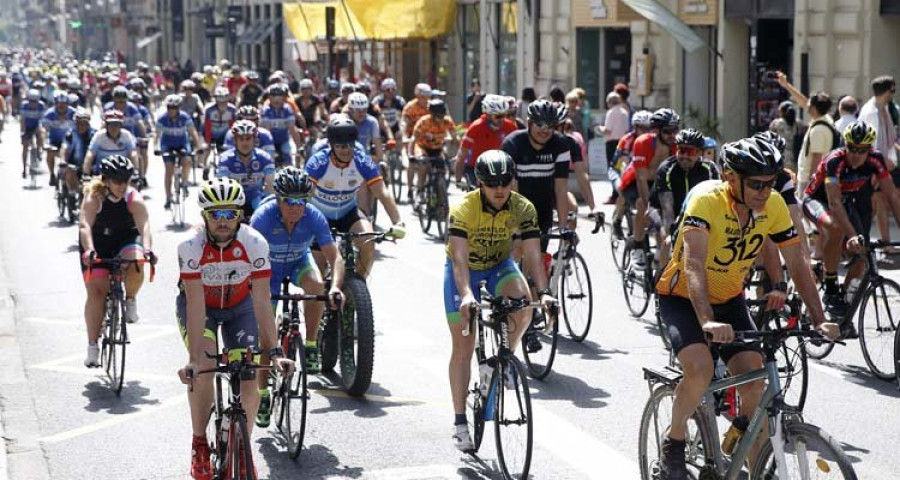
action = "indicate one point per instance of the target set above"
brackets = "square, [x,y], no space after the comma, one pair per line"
[111,422]
[93,372]
[74,358]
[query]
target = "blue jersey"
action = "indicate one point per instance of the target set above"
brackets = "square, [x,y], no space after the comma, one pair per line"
[57,125]
[336,187]
[289,249]
[368,132]
[278,121]
[131,114]
[77,145]
[263,141]
[173,132]
[104,146]
[251,176]
[32,111]
[146,116]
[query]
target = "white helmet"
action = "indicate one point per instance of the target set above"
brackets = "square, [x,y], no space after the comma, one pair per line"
[221,92]
[423,89]
[388,83]
[306,83]
[358,101]
[641,118]
[494,104]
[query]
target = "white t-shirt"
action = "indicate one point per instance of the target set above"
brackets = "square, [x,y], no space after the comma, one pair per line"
[869,113]
[818,139]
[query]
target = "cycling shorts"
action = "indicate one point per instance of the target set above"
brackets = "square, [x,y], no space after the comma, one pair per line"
[293,271]
[683,328]
[56,142]
[497,278]
[420,152]
[239,324]
[129,246]
[171,159]
[286,152]
[859,212]
[28,133]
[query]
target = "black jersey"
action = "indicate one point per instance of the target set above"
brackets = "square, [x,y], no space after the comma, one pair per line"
[309,111]
[391,110]
[536,170]
[250,94]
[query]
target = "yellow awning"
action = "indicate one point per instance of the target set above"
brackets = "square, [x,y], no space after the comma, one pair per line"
[372,19]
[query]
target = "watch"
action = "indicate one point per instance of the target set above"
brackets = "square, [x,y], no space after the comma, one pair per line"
[780,286]
[276,352]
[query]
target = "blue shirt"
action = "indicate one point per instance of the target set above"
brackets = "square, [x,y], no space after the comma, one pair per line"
[368,132]
[77,146]
[173,132]
[263,141]
[336,187]
[278,121]
[32,111]
[252,176]
[58,125]
[132,116]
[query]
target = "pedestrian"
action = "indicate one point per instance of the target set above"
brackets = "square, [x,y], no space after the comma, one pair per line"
[624,93]
[528,96]
[574,106]
[785,125]
[557,95]
[877,113]
[473,101]
[584,108]
[615,125]
[847,110]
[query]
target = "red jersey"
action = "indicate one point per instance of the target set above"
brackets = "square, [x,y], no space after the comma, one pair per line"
[642,153]
[234,84]
[480,137]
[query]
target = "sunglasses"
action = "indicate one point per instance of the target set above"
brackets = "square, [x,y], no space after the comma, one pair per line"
[498,117]
[293,201]
[542,127]
[498,182]
[669,131]
[688,151]
[760,185]
[863,149]
[223,214]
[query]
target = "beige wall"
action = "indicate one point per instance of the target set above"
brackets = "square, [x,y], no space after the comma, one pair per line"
[732,97]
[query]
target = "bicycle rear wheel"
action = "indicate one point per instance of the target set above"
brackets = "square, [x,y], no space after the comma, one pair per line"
[357,336]
[634,286]
[395,165]
[513,426]
[541,362]
[577,297]
[878,321]
[809,453]
[440,206]
[655,421]
[897,355]
[293,400]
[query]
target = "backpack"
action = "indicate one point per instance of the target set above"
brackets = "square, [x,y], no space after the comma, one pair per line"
[837,140]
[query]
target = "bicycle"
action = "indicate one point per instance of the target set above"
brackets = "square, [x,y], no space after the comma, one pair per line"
[114,334]
[434,208]
[34,163]
[395,173]
[502,396]
[67,201]
[639,284]
[618,237]
[179,184]
[291,388]
[812,451]
[138,181]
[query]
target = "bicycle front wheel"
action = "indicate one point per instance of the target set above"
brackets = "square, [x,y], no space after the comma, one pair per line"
[655,422]
[878,321]
[357,336]
[809,452]
[541,362]
[577,297]
[395,165]
[289,402]
[791,358]
[513,426]
[240,458]
[897,355]
[633,286]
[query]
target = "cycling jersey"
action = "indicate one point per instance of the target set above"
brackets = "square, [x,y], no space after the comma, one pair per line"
[252,175]
[278,121]
[190,104]
[368,132]
[31,112]
[57,125]
[489,233]
[731,249]
[835,168]
[250,94]
[5,87]
[677,181]
[216,122]
[132,116]
[391,110]
[173,132]
[336,187]
[234,84]
[644,152]
[104,146]
[481,137]
[226,272]
[784,184]
[413,111]
[431,133]
[623,151]
[208,82]
[263,141]
[77,146]
[309,111]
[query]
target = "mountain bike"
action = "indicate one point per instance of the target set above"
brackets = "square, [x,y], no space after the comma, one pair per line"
[68,202]
[502,396]
[434,207]
[794,450]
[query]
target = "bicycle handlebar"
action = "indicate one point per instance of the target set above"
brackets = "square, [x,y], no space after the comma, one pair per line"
[776,336]
[119,261]
[301,297]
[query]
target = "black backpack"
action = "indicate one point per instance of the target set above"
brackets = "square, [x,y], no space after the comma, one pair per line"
[837,141]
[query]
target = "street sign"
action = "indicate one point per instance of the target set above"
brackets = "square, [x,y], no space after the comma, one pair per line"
[215,31]
[235,13]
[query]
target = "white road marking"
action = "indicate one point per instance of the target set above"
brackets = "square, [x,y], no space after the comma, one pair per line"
[119,419]
[135,340]
[99,372]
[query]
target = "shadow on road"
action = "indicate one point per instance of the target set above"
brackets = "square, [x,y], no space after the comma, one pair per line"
[175,228]
[102,398]
[559,386]
[478,469]
[61,223]
[587,349]
[861,376]
[372,405]
[315,461]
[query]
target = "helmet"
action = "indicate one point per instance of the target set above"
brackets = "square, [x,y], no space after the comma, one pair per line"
[220,92]
[341,130]
[252,75]
[306,83]
[82,114]
[348,88]
[173,100]
[358,101]
[33,94]
[208,69]
[293,182]
[859,133]
[333,84]
[751,157]
[437,107]
[73,99]
[665,117]
[423,89]
[73,83]
[495,166]
[543,112]
[61,97]
[247,112]
[364,86]
[388,83]
[220,192]
[196,77]
[563,113]
[244,127]
[116,167]
[136,84]
[188,84]
[113,116]
[773,138]
[494,104]
[642,118]
[690,137]
[710,143]
[277,90]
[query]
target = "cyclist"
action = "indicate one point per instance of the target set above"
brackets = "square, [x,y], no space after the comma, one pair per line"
[311,107]
[339,170]
[251,92]
[112,140]
[133,121]
[217,121]
[340,102]
[367,126]
[235,82]
[391,105]
[113,223]
[429,136]
[412,112]
[290,225]
[56,123]
[278,117]
[264,136]
[485,133]
[839,201]
[482,226]
[676,176]
[700,290]
[250,166]
[75,147]
[176,132]
[191,103]
[147,122]
[640,124]
[648,151]
[224,276]
[30,114]
[332,93]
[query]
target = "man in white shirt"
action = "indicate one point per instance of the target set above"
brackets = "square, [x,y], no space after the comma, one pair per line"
[847,108]
[875,112]
[819,139]
[616,125]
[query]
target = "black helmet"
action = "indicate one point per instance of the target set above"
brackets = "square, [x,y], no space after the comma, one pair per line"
[495,167]
[859,133]
[293,182]
[751,157]
[342,130]
[277,90]
[437,107]
[544,113]
[690,137]
[117,167]
[665,117]
[773,138]
[120,92]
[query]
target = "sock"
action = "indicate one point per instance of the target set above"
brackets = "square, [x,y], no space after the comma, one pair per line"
[460,419]
[199,439]
[831,282]
[92,344]
[311,343]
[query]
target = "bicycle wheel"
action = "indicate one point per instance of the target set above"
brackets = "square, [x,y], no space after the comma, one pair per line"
[792,362]
[815,349]
[513,426]
[120,341]
[33,168]
[357,336]
[660,325]
[291,400]
[541,362]
[328,340]
[440,209]
[878,320]
[617,247]
[395,165]
[634,286]
[475,404]
[240,457]
[62,196]
[655,421]
[897,355]
[426,211]
[809,452]
[217,438]
[577,297]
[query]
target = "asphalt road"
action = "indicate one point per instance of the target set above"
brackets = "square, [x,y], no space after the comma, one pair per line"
[62,422]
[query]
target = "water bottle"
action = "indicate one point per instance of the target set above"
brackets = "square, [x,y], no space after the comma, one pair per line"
[721,370]
[484,377]
[735,432]
[851,289]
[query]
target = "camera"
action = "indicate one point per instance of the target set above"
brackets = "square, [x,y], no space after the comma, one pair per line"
[771,75]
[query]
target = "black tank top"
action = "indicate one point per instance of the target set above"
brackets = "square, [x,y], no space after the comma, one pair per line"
[250,95]
[114,221]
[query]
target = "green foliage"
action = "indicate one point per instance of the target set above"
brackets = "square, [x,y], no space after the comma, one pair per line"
[707,124]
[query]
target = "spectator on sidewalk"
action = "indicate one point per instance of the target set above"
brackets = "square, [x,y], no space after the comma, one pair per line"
[785,125]
[615,126]
[473,101]
[877,113]
[622,90]
[528,96]
[847,110]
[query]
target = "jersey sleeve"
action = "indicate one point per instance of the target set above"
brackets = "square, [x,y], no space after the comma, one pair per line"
[367,167]
[468,140]
[697,213]
[317,166]
[661,185]
[258,254]
[94,146]
[267,165]
[189,253]
[460,220]
[879,166]
[642,151]
[564,158]
[321,230]
[528,220]
[782,232]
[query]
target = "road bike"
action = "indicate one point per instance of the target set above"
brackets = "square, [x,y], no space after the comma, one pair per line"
[395,173]
[618,237]
[639,284]
[794,450]
[434,206]
[179,184]
[34,162]
[500,394]
[290,393]
[68,202]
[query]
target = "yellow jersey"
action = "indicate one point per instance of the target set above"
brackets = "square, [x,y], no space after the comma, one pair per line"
[731,249]
[490,232]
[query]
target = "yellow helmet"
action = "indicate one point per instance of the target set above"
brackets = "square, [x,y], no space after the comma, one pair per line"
[859,133]
[221,192]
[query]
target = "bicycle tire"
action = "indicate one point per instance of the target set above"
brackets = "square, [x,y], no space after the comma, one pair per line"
[877,351]
[218,441]
[62,194]
[395,165]
[120,342]
[475,404]
[816,350]
[576,268]
[793,366]
[617,246]
[299,399]
[240,451]
[897,356]
[660,325]
[328,340]
[425,213]
[807,435]
[357,336]
[72,207]
[695,453]
[521,401]
[440,209]
[539,368]
[633,286]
